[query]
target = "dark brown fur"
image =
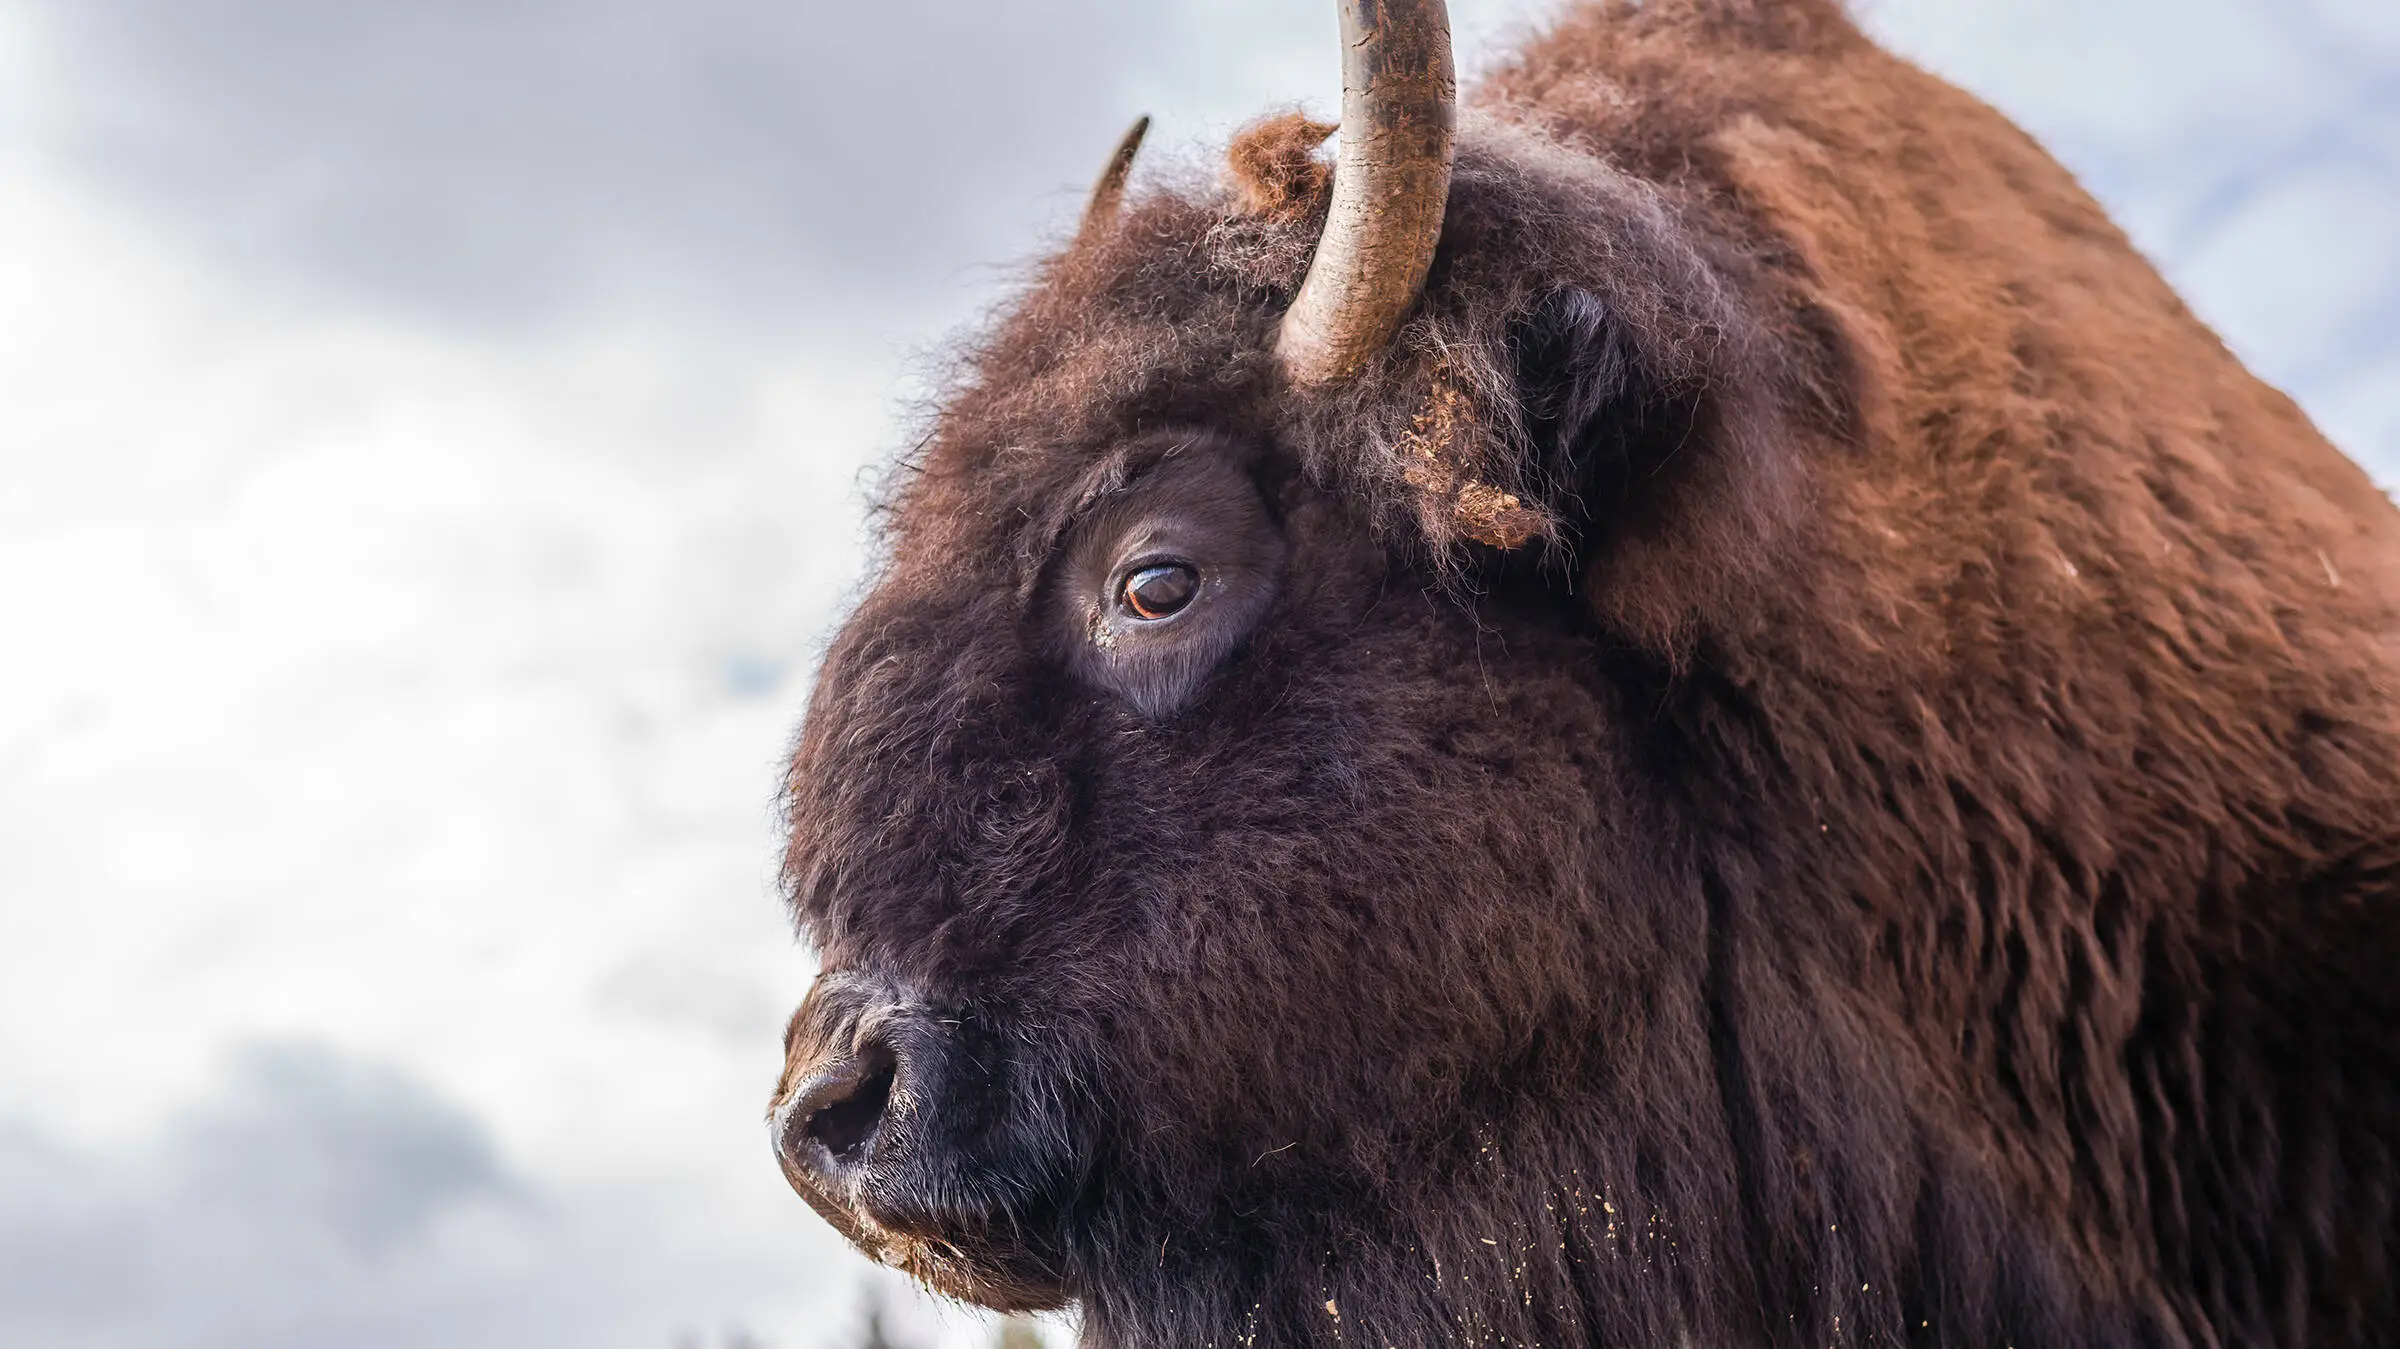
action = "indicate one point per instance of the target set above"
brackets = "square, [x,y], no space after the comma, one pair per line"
[1898,843]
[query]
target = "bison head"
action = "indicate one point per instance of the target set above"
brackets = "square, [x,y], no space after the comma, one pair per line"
[1531,738]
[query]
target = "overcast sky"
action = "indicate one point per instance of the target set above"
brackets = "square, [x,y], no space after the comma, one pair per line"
[432,439]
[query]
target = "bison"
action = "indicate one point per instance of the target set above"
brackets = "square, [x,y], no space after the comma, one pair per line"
[1681,707]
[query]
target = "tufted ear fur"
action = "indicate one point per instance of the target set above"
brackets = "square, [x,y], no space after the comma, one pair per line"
[1597,426]
[1275,169]
[1598,387]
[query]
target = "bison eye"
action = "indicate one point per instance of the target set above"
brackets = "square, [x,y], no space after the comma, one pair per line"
[1164,578]
[1161,590]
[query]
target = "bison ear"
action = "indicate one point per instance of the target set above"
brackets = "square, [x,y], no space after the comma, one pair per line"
[1594,421]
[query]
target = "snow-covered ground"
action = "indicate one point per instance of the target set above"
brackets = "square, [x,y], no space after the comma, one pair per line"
[433,446]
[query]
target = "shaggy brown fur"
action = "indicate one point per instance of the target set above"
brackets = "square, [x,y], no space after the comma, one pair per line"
[1817,763]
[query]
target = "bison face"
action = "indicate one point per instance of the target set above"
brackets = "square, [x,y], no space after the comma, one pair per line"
[1229,826]
[1179,869]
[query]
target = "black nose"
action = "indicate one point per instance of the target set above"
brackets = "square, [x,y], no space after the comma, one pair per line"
[857,1065]
[830,1127]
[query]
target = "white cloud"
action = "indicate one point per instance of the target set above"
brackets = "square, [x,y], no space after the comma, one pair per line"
[312,1199]
[417,697]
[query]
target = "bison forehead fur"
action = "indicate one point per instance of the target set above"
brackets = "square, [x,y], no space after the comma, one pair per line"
[1807,759]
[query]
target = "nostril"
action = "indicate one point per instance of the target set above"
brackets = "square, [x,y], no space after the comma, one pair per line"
[845,1126]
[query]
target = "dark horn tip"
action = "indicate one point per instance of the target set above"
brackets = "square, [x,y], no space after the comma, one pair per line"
[1110,190]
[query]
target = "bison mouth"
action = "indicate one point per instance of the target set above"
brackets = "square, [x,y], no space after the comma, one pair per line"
[967,1260]
[898,1124]
[970,1236]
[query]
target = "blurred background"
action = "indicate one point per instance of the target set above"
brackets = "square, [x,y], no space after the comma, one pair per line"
[434,442]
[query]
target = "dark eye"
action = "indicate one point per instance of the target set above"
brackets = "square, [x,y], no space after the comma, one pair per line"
[1160,591]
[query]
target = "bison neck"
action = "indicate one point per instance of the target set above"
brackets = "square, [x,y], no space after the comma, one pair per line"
[1865,1088]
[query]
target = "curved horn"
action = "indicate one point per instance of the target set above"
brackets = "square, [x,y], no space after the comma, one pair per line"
[1110,190]
[1390,185]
